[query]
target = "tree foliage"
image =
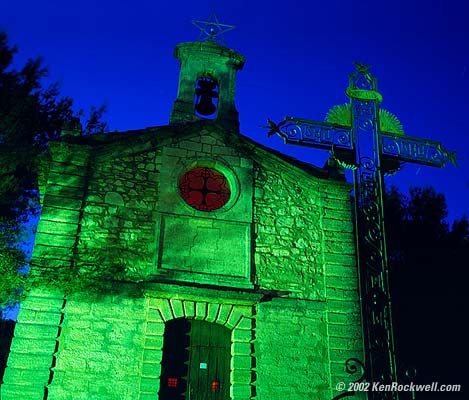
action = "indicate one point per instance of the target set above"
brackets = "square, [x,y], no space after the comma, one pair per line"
[428,264]
[31,115]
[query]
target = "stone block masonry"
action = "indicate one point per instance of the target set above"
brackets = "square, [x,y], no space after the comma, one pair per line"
[117,225]
[305,246]
[276,267]
[34,348]
[101,349]
[292,361]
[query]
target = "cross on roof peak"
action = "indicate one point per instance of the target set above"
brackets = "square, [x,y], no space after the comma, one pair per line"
[212,30]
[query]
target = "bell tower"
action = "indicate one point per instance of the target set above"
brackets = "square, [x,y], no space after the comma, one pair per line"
[207,84]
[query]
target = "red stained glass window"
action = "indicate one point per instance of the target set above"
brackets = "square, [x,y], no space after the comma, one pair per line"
[204,188]
[215,386]
[172,382]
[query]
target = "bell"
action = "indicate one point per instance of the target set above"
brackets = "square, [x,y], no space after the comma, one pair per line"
[205,106]
[205,94]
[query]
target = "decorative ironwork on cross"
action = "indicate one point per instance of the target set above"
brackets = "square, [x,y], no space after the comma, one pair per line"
[212,29]
[371,153]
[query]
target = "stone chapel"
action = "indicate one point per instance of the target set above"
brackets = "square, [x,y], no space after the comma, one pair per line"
[236,273]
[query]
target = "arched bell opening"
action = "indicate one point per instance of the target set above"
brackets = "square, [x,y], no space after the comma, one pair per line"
[206,97]
[196,361]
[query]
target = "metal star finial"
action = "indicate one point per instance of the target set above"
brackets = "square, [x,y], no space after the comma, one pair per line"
[362,67]
[212,29]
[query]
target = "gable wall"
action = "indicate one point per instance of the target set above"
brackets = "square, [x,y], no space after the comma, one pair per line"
[298,240]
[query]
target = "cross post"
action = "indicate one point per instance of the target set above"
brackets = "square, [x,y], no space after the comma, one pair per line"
[371,153]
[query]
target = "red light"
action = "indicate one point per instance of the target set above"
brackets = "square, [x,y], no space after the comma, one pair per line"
[172,382]
[215,386]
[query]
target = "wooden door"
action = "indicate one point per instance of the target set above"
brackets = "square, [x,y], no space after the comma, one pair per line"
[196,361]
[209,362]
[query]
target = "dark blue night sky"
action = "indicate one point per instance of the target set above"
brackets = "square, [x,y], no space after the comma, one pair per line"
[299,55]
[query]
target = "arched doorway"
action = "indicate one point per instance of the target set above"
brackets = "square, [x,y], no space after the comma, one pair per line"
[196,361]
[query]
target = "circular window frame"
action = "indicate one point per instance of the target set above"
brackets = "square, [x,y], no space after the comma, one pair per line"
[223,169]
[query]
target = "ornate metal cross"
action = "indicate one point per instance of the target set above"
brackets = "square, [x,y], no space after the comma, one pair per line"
[371,153]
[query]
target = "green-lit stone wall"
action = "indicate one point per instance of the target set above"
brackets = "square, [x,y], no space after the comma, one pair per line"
[33,346]
[111,204]
[291,355]
[62,203]
[304,246]
[197,246]
[100,353]
[288,214]
[117,224]
[103,339]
